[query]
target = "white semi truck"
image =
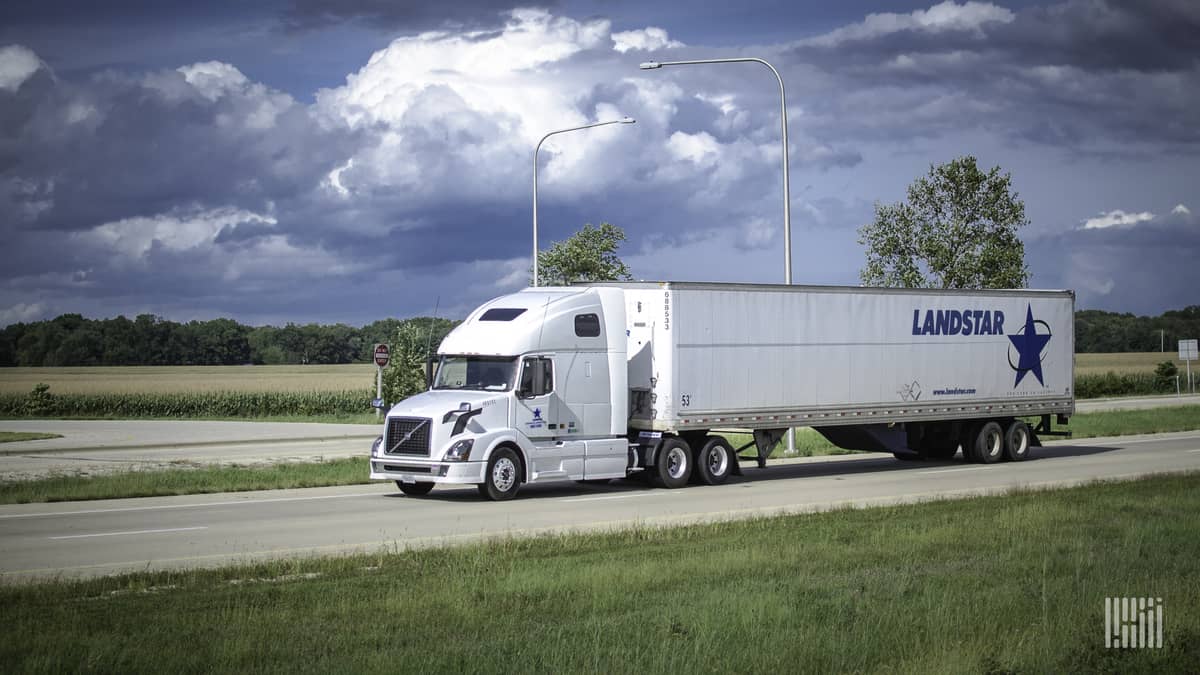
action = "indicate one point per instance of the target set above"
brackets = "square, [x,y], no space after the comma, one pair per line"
[602,381]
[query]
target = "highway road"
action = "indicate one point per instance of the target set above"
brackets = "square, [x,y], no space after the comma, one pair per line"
[94,538]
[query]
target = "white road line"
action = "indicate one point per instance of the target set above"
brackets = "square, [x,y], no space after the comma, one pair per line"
[625,496]
[118,534]
[1196,450]
[961,468]
[240,502]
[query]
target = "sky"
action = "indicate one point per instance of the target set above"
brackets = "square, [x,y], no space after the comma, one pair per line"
[312,161]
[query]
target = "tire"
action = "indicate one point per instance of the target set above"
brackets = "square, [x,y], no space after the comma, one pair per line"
[714,461]
[503,477]
[1017,441]
[672,464]
[942,449]
[970,432]
[414,489]
[989,443]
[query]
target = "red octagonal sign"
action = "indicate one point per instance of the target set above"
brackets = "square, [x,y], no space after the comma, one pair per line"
[382,355]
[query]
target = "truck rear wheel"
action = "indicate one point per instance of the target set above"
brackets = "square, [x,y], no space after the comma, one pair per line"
[714,461]
[989,443]
[503,476]
[1016,441]
[672,464]
[414,489]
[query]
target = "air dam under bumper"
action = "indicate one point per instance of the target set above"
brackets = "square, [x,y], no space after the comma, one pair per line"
[410,470]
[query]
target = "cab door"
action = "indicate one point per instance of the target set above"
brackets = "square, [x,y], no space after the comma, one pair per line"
[538,407]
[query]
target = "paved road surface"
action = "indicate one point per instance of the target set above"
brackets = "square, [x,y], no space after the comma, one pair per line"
[91,538]
[91,447]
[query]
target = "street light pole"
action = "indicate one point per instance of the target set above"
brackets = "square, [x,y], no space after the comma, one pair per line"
[787,197]
[624,120]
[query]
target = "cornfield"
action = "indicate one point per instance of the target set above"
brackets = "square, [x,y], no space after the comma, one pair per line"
[43,403]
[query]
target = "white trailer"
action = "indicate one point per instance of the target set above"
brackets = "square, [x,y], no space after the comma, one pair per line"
[601,381]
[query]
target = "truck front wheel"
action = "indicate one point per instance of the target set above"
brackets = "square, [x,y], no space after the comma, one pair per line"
[503,476]
[672,463]
[714,462]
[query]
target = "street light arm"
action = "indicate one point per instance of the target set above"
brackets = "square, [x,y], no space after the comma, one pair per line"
[787,193]
[536,148]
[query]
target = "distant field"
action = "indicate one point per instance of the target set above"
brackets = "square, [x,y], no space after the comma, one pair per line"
[1123,363]
[356,376]
[171,379]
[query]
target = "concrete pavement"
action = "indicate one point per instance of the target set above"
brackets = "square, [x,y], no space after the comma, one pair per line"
[103,446]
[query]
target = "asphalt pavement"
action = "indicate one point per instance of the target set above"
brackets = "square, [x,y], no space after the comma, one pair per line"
[94,538]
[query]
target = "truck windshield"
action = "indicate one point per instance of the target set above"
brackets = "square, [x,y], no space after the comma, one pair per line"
[480,373]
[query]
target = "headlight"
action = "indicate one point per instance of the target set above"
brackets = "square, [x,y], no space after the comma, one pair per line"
[460,451]
[377,446]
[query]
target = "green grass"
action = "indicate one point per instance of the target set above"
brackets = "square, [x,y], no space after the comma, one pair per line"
[996,584]
[13,436]
[183,481]
[1125,422]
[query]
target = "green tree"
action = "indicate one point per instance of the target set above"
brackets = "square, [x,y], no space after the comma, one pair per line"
[411,343]
[958,229]
[588,255]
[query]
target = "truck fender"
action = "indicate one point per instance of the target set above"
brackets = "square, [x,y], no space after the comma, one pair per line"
[507,438]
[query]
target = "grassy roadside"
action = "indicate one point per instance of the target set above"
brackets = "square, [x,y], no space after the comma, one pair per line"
[211,479]
[14,436]
[995,584]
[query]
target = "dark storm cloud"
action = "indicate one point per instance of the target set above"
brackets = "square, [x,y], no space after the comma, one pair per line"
[115,146]
[406,15]
[1068,74]
[1148,267]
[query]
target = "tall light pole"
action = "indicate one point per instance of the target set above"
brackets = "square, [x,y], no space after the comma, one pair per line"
[787,196]
[623,120]
[787,193]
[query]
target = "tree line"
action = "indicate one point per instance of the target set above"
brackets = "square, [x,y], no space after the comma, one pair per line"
[148,340]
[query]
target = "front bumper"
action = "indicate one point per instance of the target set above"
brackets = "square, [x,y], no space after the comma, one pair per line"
[424,471]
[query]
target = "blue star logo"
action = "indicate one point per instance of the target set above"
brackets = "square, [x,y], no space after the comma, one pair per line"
[1029,345]
[537,413]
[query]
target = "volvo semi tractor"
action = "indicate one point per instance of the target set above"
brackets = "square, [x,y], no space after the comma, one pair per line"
[602,381]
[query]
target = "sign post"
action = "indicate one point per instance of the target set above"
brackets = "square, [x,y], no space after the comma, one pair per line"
[1187,353]
[383,355]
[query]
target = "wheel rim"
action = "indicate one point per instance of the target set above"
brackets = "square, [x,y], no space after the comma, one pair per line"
[676,462]
[504,474]
[1022,444]
[718,460]
[995,444]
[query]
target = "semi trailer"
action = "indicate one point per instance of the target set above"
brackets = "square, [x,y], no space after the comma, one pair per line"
[609,380]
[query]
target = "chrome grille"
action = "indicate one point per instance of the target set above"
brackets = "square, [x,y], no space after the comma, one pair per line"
[407,436]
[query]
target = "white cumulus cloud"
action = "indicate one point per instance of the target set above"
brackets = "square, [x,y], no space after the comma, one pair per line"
[17,64]
[646,39]
[1116,218]
[947,16]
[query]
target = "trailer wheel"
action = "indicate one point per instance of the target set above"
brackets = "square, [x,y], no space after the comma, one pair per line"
[714,461]
[672,463]
[1016,441]
[989,443]
[414,489]
[970,432]
[503,476]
